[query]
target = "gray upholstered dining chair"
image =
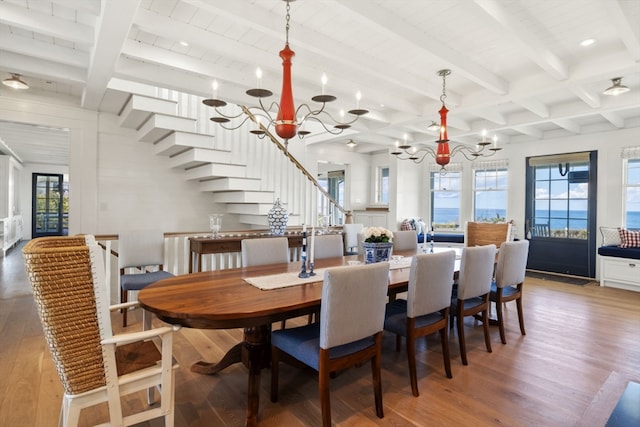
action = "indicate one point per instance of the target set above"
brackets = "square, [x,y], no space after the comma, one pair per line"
[264,251]
[405,240]
[426,309]
[328,246]
[472,295]
[349,331]
[509,279]
[143,252]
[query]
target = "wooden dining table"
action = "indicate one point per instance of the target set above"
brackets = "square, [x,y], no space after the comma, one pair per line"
[222,299]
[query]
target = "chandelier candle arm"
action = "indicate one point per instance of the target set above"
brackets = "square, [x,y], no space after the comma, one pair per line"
[443,152]
[286,122]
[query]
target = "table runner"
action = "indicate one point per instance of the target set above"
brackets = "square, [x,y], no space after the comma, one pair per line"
[283,280]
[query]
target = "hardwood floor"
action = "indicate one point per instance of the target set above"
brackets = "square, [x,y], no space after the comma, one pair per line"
[581,348]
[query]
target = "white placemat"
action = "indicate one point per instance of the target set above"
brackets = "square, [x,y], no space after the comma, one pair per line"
[283,280]
[404,262]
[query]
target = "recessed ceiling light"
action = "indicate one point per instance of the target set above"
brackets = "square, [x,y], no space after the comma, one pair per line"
[184,43]
[587,42]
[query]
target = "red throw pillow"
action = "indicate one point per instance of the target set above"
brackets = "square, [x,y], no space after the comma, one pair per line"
[406,225]
[630,239]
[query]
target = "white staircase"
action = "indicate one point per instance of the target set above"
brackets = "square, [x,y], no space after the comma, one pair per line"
[242,172]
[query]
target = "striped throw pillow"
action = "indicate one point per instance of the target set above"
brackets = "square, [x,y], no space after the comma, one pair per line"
[630,239]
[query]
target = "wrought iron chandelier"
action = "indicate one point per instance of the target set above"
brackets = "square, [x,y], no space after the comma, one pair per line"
[443,152]
[288,121]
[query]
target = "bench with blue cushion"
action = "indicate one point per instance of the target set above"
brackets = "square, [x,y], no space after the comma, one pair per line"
[618,252]
[442,238]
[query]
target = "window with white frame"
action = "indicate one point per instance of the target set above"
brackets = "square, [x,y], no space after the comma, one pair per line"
[382,185]
[631,208]
[490,185]
[445,197]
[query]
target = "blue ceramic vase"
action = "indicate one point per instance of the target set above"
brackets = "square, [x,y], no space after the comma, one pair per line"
[377,252]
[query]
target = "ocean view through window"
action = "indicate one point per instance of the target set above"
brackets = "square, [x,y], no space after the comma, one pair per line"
[632,194]
[445,200]
[490,192]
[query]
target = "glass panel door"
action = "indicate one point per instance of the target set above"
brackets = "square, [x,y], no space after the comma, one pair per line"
[50,206]
[561,215]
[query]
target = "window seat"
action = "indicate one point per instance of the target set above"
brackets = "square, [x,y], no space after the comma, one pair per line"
[442,237]
[620,267]
[618,252]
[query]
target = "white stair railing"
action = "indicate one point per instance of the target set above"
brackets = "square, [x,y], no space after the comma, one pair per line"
[264,160]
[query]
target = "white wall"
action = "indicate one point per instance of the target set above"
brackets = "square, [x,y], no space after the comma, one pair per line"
[63,112]
[357,171]
[138,189]
[408,191]
[116,181]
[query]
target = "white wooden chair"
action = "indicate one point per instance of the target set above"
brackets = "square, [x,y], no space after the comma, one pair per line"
[143,251]
[68,280]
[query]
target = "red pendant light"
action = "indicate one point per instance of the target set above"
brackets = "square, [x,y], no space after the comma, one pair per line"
[288,121]
[286,124]
[443,155]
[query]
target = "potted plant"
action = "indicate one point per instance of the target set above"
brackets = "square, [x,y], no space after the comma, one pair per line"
[377,244]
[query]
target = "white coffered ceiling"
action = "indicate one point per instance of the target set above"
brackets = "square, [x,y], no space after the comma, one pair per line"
[518,69]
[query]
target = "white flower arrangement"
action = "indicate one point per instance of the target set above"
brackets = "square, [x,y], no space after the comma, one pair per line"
[377,235]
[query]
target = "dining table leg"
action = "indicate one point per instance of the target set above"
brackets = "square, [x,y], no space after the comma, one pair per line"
[257,343]
[255,353]
[234,355]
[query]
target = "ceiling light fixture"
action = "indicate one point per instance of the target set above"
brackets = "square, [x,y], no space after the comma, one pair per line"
[587,42]
[288,121]
[617,88]
[434,126]
[351,143]
[443,153]
[15,82]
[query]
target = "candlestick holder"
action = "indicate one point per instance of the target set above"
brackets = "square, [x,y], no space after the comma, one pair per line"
[311,273]
[433,238]
[303,271]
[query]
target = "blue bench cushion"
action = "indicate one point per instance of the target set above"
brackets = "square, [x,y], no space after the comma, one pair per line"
[441,237]
[617,251]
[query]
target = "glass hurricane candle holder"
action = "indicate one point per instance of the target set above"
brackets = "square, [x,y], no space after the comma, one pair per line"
[215,223]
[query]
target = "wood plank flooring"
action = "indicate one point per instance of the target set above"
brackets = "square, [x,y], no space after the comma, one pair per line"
[581,348]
